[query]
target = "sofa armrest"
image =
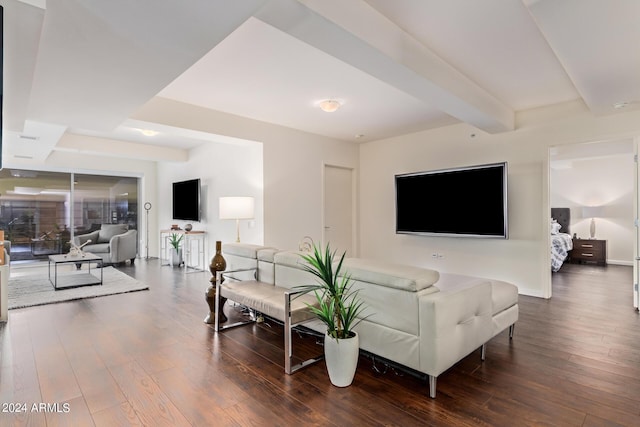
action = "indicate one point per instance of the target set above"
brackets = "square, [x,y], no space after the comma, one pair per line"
[236,275]
[452,325]
[83,238]
[123,246]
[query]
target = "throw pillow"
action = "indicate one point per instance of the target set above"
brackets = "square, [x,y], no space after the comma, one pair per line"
[107,231]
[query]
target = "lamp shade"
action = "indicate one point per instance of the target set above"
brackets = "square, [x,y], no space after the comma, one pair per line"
[592,211]
[236,207]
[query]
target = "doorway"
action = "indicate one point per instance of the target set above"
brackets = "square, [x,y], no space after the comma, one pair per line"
[339,209]
[595,182]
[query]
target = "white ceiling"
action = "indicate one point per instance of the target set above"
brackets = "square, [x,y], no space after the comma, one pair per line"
[84,67]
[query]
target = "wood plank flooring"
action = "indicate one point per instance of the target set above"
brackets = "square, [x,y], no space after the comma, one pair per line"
[146,358]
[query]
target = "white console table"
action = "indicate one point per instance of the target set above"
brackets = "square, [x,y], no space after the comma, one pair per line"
[193,249]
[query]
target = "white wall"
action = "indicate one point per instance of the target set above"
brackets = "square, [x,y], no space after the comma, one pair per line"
[522,259]
[292,167]
[287,163]
[292,178]
[602,181]
[224,169]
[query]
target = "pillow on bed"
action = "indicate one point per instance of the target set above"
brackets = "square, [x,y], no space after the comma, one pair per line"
[555,227]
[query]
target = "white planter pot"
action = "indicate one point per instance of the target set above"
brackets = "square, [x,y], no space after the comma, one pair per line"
[341,357]
[176,257]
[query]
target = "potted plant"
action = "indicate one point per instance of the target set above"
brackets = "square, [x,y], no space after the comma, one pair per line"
[339,309]
[176,251]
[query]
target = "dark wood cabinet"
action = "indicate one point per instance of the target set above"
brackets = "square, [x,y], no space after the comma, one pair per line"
[589,250]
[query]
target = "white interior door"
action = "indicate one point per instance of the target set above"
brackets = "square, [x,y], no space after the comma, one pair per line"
[339,209]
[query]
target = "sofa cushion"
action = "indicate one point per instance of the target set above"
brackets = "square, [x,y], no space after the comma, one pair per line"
[267,254]
[100,248]
[107,231]
[242,249]
[290,258]
[266,267]
[268,299]
[396,276]
[503,295]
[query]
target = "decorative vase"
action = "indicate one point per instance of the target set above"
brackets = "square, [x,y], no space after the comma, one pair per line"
[341,356]
[188,227]
[218,263]
[176,257]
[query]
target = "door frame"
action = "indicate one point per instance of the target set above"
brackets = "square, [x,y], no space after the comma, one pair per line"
[548,288]
[636,214]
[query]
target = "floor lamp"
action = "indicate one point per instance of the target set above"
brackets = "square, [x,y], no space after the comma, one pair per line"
[147,207]
[237,208]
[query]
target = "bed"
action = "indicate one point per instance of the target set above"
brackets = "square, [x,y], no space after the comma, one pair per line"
[561,241]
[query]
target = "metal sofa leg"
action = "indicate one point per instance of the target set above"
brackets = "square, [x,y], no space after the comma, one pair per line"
[483,351]
[432,386]
[511,328]
[219,305]
[216,323]
[287,335]
[288,344]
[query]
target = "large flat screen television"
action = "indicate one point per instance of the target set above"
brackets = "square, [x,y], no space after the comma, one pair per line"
[186,200]
[468,201]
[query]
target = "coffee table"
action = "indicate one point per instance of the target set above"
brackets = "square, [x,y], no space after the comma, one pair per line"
[77,278]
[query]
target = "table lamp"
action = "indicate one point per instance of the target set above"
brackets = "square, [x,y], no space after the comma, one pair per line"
[237,208]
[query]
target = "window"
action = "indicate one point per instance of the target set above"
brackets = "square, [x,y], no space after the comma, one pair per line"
[41,211]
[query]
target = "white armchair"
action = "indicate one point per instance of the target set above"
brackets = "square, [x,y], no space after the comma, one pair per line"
[114,243]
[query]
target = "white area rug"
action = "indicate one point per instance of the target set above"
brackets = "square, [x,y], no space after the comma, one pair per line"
[36,289]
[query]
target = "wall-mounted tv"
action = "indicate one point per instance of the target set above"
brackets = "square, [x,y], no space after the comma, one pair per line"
[468,201]
[186,200]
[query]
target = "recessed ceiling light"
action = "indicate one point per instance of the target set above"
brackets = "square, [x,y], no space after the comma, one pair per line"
[329,105]
[619,105]
[29,137]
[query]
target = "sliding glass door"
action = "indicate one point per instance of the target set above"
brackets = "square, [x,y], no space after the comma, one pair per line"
[99,199]
[40,212]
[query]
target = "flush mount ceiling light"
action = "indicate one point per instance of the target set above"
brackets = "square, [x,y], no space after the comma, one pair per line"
[329,105]
[147,132]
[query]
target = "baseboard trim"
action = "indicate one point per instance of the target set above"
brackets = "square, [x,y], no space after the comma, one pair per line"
[620,262]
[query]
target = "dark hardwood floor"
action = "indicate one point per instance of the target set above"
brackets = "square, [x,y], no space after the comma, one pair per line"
[147,358]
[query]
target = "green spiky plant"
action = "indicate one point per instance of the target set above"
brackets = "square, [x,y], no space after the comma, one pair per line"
[338,307]
[175,240]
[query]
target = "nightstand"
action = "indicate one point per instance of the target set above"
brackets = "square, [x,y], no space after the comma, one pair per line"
[589,250]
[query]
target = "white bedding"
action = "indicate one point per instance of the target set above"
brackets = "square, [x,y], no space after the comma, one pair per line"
[561,244]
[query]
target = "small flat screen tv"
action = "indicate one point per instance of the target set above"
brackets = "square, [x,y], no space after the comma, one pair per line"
[186,200]
[469,201]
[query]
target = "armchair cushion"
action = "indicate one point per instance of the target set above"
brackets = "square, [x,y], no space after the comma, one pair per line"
[99,248]
[107,231]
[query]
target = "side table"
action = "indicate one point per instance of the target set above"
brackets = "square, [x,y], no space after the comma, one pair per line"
[589,250]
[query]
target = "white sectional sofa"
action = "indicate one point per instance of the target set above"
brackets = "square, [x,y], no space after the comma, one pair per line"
[417,317]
